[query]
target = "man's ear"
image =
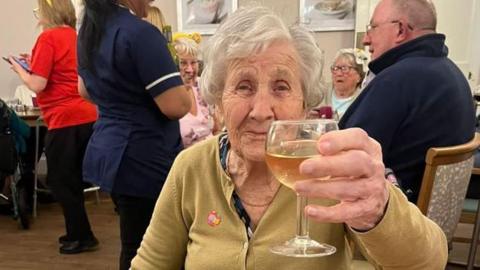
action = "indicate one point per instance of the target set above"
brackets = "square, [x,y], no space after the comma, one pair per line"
[402,34]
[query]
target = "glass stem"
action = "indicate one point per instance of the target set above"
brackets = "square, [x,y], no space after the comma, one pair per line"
[302,221]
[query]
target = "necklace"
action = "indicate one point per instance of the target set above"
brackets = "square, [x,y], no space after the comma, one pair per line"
[256,205]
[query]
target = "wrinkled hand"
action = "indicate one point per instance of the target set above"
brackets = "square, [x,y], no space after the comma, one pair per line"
[354,163]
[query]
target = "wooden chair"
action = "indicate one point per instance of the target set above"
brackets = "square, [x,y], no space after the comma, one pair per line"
[470,215]
[445,182]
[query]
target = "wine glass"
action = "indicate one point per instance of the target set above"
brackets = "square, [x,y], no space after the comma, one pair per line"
[289,143]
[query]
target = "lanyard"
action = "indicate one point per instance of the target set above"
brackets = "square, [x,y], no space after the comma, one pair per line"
[224,146]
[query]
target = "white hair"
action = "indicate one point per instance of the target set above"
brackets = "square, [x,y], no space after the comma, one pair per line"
[357,58]
[251,30]
[421,14]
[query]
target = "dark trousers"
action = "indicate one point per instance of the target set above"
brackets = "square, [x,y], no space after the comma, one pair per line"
[135,214]
[64,149]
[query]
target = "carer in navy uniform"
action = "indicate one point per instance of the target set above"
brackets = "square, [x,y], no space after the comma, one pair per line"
[127,70]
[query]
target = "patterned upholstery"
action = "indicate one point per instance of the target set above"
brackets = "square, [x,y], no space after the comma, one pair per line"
[448,193]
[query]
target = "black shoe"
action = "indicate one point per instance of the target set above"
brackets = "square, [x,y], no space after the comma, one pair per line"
[75,247]
[64,239]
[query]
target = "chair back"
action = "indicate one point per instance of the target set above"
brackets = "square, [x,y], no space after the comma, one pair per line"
[445,182]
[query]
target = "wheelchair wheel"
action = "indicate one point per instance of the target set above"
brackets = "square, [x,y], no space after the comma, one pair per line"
[23,215]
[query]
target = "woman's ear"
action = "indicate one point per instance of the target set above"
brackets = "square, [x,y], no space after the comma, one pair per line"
[218,119]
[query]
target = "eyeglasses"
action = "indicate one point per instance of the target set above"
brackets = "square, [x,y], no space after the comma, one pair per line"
[370,27]
[343,69]
[36,13]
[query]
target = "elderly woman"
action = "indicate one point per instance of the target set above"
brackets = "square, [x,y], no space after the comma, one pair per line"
[221,208]
[197,124]
[348,70]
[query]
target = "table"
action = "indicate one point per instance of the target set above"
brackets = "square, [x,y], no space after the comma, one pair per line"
[31,117]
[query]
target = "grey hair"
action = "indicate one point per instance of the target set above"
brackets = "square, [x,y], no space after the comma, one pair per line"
[421,14]
[360,65]
[250,30]
[186,46]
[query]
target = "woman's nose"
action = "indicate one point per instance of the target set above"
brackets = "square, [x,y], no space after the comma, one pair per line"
[337,73]
[262,107]
[189,68]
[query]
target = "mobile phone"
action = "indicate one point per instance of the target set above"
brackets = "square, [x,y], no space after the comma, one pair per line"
[6,59]
[23,63]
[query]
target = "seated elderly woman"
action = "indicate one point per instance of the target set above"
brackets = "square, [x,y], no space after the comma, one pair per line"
[197,124]
[221,208]
[348,70]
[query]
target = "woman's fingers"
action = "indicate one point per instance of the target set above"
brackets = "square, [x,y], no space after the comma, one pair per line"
[349,139]
[360,215]
[353,163]
[337,189]
[15,66]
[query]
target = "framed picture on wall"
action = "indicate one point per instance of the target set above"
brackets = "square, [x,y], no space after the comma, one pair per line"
[203,16]
[327,15]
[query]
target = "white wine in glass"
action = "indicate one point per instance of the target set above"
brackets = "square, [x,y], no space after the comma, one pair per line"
[289,143]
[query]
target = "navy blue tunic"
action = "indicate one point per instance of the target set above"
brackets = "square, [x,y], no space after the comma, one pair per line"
[133,144]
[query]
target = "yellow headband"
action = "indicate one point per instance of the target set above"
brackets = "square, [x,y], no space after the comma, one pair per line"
[49,2]
[193,36]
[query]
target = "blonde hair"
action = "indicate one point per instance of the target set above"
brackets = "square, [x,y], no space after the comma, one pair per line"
[186,46]
[57,13]
[155,17]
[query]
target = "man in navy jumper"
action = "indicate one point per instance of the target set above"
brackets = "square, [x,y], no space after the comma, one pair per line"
[418,98]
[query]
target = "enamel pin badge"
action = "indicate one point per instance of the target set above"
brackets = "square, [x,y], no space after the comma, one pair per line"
[213,219]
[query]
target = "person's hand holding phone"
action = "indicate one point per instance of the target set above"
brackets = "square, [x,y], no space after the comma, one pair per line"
[19,64]
[25,56]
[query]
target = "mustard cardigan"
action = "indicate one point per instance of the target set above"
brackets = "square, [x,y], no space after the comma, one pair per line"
[195,225]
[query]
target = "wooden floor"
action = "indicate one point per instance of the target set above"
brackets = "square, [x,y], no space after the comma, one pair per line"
[37,248]
[460,250]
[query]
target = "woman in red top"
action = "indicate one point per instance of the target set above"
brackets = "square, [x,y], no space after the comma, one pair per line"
[52,75]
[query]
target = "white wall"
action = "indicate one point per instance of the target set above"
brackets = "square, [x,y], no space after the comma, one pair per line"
[476,48]
[330,42]
[18,32]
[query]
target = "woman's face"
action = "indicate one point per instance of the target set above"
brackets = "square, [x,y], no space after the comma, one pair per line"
[258,90]
[345,82]
[188,66]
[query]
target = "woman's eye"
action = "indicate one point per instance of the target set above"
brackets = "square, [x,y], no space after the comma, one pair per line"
[281,88]
[244,88]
